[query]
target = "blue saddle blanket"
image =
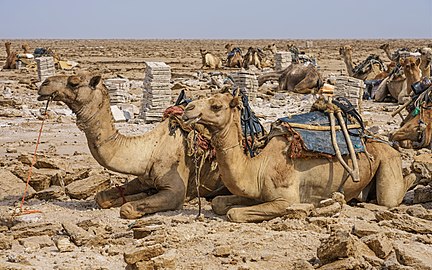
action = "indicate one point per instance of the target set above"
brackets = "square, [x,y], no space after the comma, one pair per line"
[320,141]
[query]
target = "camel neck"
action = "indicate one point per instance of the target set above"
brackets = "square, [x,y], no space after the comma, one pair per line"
[349,64]
[232,161]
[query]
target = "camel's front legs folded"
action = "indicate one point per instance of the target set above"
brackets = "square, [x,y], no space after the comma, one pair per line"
[221,204]
[116,196]
[259,212]
[170,196]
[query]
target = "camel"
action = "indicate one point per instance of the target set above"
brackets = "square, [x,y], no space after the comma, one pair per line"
[426,59]
[264,186]
[210,60]
[235,58]
[26,48]
[11,57]
[367,70]
[416,128]
[158,158]
[297,78]
[386,48]
[398,83]
[252,57]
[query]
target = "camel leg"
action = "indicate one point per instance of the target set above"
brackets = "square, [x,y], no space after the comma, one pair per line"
[170,196]
[221,204]
[304,87]
[116,196]
[260,212]
[390,183]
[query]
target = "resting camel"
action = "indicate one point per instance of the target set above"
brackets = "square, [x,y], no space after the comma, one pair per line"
[158,158]
[398,83]
[235,58]
[11,57]
[426,59]
[264,186]
[367,70]
[297,78]
[210,60]
[252,58]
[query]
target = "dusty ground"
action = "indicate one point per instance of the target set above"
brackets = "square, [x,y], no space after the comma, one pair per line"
[28,241]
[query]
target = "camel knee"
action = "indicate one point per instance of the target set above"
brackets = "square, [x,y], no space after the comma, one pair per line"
[236,215]
[219,206]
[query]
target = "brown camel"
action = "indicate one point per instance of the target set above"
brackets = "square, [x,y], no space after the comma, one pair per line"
[11,57]
[386,48]
[417,126]
[26,48]
[252,58]
[235,58]
[210,60]
[367,70]
[264,186]
[158,158]
[297,78]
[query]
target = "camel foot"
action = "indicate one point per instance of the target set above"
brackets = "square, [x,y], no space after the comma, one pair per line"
[128,211]
[109,198]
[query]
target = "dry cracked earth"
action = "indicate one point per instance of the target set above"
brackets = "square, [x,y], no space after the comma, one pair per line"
[69,231]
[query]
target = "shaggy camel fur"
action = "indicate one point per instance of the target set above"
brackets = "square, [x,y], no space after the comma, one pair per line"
[370,73]
[264,186]
[210,60]
[297,78]
[158,158]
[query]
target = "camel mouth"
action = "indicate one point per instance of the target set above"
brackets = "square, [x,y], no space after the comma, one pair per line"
[192,121]
[43,97]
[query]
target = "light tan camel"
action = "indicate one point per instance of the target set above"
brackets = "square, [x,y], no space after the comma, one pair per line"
[210,60]
[11,57]
[386,48]
[264,186]
[398,84]
[426,59]
[367,70]
[158,158]
[297,78]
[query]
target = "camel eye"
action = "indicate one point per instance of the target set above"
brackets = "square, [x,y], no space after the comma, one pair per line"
[216,107]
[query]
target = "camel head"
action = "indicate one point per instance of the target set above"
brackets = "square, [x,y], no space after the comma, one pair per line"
[385,46]
[345,50]
[203,52]
[76,91]
[215,112]
[411,67]
[418,130]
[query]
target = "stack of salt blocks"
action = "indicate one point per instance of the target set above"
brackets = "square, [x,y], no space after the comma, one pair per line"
[157,92]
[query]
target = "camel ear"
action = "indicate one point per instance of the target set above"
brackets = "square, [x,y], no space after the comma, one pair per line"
[235,102]
[74,81]
[94,81]
[418,62]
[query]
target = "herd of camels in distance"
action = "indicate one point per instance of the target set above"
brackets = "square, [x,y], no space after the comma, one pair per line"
[244,187]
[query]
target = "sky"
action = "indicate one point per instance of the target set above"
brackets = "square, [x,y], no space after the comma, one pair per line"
[218,19]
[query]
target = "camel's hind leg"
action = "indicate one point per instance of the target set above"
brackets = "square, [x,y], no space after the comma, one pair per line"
[390,183]
[259,212]
[305,86]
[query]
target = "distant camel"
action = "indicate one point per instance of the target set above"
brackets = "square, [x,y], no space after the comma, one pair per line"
[11,57]
[210,60]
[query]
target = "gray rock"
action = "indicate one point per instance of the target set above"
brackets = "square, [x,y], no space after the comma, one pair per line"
[11,187]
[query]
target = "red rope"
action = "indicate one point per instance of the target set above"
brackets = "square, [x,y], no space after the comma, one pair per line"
[31,167]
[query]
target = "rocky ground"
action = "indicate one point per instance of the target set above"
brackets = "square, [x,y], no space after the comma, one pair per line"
[69,231]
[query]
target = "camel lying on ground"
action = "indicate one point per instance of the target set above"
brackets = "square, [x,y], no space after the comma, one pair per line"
[398,83]
[11,57]
[158,158]
[234,58]
[210,60]
[297,78]
[252,58]
[264,186]
[367,70]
